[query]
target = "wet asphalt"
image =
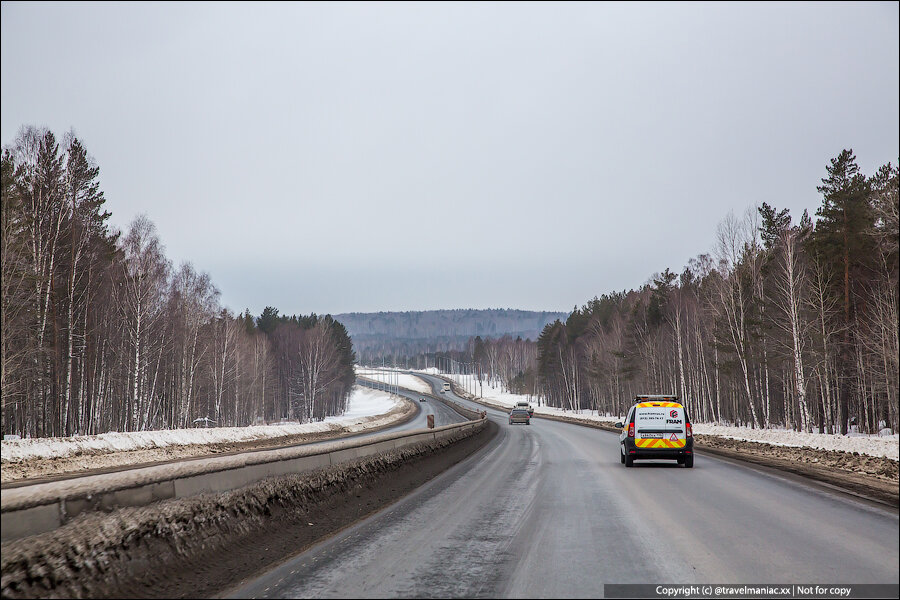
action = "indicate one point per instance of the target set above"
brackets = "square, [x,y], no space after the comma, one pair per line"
[547,510]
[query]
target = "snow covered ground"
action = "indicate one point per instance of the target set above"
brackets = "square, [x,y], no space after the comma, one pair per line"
[367,408]
[410,382]
[873,445]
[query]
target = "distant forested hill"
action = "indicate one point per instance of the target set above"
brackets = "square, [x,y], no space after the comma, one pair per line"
[407,334]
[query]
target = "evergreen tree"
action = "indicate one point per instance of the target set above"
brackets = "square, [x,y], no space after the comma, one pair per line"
[268,320]
[840,240]
[773,223]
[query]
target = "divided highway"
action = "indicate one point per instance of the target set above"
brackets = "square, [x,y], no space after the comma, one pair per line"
[443,415]
[547,510]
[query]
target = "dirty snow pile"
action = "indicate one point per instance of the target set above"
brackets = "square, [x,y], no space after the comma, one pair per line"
[393,377]
[363,403]
[873,445]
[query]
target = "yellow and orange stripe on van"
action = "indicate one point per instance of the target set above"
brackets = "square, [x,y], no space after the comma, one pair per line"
[659,443]
[663,404]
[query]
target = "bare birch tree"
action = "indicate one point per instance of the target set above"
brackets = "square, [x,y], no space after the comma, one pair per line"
[789,285]
[139,296]
[733,297]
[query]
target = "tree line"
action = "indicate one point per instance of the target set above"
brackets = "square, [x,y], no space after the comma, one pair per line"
[502,362]
[784,323]
[101,333]
[506,362]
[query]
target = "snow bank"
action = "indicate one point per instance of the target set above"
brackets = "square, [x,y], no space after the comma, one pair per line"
[363,403]
[873,445]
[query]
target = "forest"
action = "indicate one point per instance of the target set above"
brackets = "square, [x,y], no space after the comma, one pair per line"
[786,322]
[100,332]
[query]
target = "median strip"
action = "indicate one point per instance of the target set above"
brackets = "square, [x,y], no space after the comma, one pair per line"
[43,507]
[201,545]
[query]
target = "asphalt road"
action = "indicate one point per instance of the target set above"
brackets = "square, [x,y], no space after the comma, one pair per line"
[547,510]
[443,415]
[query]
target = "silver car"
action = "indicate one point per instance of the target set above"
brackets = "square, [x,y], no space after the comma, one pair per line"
[519,415]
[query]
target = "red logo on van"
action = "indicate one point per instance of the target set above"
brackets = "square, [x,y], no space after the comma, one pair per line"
[673,413]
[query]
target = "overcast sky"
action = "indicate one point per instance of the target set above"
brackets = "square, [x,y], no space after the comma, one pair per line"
[362,157]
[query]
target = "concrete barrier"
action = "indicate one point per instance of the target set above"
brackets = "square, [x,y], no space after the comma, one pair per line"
[34,509]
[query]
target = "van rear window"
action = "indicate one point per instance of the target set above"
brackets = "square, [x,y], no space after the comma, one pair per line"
[649,415]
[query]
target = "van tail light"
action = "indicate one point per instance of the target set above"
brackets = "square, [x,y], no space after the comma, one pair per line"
[688,432]
[631,430]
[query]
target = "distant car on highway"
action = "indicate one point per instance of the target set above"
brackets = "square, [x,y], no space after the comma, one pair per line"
[656,427]
[519,415]
[445,388]
[527,407]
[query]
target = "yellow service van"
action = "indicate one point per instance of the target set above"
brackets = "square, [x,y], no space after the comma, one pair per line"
[656,427]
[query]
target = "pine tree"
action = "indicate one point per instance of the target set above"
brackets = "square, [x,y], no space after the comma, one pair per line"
[840,240]
[773,223]
[268,320]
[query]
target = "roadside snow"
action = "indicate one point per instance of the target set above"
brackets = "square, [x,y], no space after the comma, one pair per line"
[404,380]
[873,445]
[364,403]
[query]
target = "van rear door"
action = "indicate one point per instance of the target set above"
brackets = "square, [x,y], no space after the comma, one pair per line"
[675,420]
[649,425]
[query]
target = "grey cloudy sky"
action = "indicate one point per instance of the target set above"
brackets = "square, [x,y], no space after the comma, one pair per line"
[360,157]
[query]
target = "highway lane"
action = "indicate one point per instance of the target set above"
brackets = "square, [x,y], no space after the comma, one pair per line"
[443,415]
[547,510]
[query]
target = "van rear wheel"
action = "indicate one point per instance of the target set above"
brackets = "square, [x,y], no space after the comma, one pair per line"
[629,460]
[689,461]
[621,455]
